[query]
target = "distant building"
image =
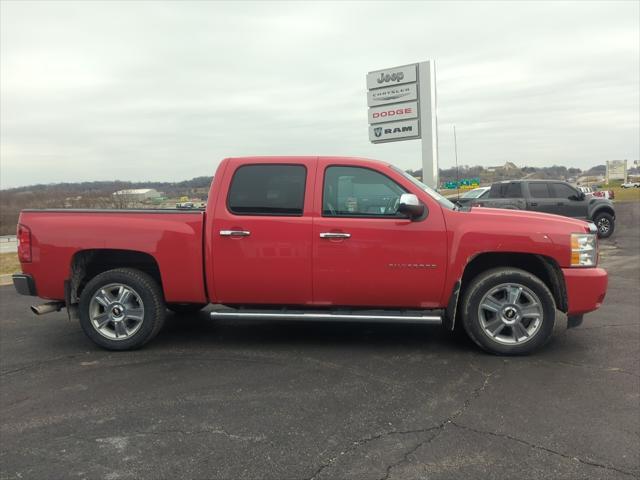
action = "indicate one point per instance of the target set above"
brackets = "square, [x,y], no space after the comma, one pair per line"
[138,194]
[590,179]
[507,167]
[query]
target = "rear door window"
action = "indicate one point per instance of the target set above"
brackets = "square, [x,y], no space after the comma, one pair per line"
[506,190]
[268,190]
[539,190]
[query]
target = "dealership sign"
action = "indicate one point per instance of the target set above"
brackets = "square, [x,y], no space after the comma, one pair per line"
[391,131]
[393,112]
[392,76]
[393,96]
[383,96]
[402,106]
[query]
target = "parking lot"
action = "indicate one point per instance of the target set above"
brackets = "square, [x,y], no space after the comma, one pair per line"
[282,400]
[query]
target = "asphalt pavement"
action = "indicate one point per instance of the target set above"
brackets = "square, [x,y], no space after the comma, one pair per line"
[280,400]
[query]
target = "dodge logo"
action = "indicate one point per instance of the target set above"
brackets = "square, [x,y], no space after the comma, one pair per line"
[393,112]
[377,131]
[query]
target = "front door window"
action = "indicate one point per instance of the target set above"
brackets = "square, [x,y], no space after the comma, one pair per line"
[359,192]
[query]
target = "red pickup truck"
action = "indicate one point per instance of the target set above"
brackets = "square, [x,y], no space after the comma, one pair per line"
[314,238]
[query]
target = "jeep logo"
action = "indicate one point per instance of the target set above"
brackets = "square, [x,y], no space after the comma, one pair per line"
[390,77]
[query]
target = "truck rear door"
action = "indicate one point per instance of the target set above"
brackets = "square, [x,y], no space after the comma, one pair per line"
[261,234]
[541,198]
[504,195]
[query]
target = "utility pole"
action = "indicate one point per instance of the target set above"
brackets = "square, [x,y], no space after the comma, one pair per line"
[455,146]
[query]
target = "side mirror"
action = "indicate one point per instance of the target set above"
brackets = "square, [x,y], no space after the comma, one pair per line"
[578,196]
[410,206]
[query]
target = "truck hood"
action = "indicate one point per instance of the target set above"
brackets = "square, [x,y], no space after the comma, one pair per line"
[481,230]
[537,221]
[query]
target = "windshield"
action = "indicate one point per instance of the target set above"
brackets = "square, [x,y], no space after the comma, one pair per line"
[432,193]
[475,193]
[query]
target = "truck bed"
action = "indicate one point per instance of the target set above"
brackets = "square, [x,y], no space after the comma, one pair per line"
[172,237]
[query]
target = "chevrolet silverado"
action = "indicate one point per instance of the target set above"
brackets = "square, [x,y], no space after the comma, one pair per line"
[314,239]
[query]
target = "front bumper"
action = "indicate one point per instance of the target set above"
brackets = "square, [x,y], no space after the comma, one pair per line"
[24,284]
[586,289]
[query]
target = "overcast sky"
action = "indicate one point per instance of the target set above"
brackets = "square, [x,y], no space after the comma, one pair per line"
[163,90]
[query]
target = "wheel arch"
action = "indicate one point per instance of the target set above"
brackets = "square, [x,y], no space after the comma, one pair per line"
[86,264]
[603,209]
[543,267]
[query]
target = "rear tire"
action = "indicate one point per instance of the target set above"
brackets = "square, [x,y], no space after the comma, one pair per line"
[508,311]
[605,224]
[122,309]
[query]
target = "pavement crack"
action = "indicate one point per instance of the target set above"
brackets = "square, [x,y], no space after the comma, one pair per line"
[614,325]
[545,449]
[363,441]
[476,392]
[411,451]
[215,431]
[602,368]
[38,363]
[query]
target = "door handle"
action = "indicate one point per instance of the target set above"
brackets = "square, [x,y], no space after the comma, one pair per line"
[534,204]
[234,233]
[334,235]
[560,204]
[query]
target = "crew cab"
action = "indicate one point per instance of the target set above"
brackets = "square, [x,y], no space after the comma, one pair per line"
[314,239]
[552,196]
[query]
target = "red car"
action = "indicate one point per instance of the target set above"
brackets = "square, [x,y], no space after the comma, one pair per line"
[314,238]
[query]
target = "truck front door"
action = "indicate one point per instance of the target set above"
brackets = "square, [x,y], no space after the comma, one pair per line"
[365,253]
[261,235]
[569,201]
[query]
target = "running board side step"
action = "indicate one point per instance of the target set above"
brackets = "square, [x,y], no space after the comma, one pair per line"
[434,318]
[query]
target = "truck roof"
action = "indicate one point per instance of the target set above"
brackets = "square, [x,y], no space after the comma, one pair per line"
[305,158]
[533,180]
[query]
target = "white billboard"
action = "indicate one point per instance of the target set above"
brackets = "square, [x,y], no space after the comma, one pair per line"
[392,76]
[616,170]
[392,131]
[384,96]
[388,113]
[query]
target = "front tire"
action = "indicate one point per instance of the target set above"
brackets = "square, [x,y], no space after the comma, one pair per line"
[508,311]
[605,224]
[122,309]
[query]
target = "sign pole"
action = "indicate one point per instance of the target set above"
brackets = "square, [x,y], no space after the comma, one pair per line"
[428,122]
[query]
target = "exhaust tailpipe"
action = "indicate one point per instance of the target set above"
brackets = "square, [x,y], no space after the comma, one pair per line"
[47,308]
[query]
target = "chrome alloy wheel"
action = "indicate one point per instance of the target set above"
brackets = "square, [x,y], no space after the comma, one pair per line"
[116,311]
[510,314]
[604,225]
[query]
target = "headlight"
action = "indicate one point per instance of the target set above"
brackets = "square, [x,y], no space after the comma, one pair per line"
[584,250]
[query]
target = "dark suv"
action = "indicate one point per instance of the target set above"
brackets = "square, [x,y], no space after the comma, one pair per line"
[551,196]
